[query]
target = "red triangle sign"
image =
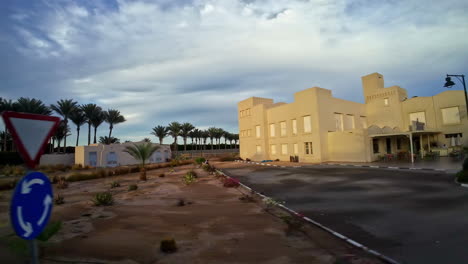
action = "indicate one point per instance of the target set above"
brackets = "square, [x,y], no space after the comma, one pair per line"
[30,133]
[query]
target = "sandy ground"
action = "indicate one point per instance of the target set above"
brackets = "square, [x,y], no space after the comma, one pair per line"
[213,227]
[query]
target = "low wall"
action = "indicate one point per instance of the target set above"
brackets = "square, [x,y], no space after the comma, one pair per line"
[52,159]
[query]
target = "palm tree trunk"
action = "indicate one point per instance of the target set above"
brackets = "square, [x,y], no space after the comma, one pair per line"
[211,140]
[65,139]
[95,132]
[160,141]
[185,144]
[77,135]
[58,145]
[89,133]
[110,130]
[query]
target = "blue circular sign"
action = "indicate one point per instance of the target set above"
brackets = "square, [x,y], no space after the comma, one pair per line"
[31,205]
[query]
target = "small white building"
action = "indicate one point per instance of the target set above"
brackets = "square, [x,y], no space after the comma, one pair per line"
[101,155]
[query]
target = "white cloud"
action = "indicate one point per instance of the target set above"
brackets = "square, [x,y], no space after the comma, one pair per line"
[157,63]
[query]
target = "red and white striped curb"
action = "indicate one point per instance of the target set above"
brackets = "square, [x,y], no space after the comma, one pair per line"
[264,164]
[329,230]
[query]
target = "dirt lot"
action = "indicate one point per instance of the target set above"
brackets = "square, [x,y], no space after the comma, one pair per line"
[213,227]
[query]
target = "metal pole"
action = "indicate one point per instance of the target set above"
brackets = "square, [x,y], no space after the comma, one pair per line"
[34,251]
[466,96]
[411,147]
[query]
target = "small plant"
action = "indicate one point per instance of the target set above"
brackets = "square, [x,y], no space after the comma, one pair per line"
[200,160]
[102,173]
[189,178]
[103,199]
[181,202]
[161,175]
[114,184]
[270,203]
[293,222]
[50,230]
[231,183]
[59,199]
[209,168]
[77,167]
[247,198]
[62,183]
[462,176]
[132,187]
[168,245]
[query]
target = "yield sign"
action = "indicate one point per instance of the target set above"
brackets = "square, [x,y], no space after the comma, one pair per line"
[30,132]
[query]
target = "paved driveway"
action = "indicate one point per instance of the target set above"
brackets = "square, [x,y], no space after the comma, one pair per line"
[411,216]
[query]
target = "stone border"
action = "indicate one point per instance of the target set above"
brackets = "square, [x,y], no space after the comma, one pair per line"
[349,165]
[315,223]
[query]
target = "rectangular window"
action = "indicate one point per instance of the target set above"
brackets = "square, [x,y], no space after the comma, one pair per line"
[296,149]
[338,122]
[450,115]
[283,128]
[248,132]
[284,149]
[418,116]
[259,149]
[386,102]
[294,127]
[307,124]
[273,149]
[257,131]
[363,122]
[349,122]
[272,130]
[308,148]
[375,145]
[398,143]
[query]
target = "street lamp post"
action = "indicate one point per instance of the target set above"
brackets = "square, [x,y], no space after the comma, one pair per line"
[449,83]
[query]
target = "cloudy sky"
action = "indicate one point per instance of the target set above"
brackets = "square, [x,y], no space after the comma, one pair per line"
[193,60]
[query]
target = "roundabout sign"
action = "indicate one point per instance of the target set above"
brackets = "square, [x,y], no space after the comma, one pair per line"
[31,205]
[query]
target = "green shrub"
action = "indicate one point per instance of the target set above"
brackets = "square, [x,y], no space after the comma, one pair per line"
[465,165]
[132,187]
[103,199]
[209,168]
[114,184]
[462,176]
[168,245]
[189,178]
[13,170]
[200,160]
[50,230]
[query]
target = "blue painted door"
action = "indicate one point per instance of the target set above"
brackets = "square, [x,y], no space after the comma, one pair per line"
[92,158]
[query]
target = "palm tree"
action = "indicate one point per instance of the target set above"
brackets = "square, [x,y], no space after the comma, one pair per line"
[184,132]
[65,108]
[160,132]
[32,106]
[212,134]
[146,140]
[6,105]
[235,138]
[90,110]
[219,135]
[78,118]
[194,134]
[106,140]
[142,152]
[113,117]
[96,121]
[205,135]
[63,130]
[173,130]
[227,137]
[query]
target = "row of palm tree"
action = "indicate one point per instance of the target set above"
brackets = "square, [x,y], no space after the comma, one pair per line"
[68,109]
[197,136]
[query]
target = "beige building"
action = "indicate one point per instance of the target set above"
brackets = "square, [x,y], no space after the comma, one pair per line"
[318,127]
[101,155]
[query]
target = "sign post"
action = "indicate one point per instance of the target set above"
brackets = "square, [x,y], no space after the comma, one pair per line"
[31,204]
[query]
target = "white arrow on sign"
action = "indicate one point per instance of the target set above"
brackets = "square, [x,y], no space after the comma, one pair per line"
[25,226]
[47,203]
[26,186]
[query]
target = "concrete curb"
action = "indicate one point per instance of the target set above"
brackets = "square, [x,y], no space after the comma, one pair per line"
[461,184]
[349,165]
[329,230]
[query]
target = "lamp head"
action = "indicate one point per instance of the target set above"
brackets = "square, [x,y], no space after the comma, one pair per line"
[448,82]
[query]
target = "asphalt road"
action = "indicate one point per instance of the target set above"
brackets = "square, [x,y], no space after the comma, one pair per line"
[418,217]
